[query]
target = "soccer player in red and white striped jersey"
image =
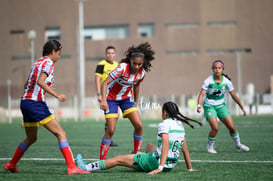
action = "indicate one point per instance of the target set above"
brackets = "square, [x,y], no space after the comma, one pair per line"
[36,112]
[124,80]
[32,90]
[121,89]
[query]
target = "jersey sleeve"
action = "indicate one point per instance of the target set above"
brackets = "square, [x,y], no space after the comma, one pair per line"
[205,85]
[117,72]
[230,86]
[99,70]
[163,128]
[47,66]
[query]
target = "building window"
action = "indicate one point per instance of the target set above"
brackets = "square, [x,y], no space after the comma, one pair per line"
[222,24]
[183,26]
[228,51]
[183,52]
[146,30]
[17,32]
[52,33]
[106,32]
[20,58]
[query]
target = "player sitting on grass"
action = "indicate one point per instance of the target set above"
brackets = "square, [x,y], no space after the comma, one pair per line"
[171,140]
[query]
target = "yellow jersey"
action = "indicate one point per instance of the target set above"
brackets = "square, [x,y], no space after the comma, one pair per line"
[104,67]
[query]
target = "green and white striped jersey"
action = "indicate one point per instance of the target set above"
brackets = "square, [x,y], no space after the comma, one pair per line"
[215,91]
[176,133]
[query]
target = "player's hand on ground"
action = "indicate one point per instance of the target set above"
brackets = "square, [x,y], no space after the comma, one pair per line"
[193,170]
[61,97]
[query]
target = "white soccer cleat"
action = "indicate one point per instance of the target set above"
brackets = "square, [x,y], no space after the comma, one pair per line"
[211,150]
[243,148]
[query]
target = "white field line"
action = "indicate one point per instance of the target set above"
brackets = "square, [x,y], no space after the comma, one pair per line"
[196,161]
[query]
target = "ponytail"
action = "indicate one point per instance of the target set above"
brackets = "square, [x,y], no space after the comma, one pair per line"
[227,76]
[172,109]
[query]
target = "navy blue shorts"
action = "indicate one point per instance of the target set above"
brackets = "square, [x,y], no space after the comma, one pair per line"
[126,105]
[35,113]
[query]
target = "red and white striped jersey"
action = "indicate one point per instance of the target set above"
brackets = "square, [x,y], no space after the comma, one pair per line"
[123,82]
[32,90]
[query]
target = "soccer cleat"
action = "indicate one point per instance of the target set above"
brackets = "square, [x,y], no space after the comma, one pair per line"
[80,162]
[113,143]
[211,150]
[243,148]
[11,167]
[76,170]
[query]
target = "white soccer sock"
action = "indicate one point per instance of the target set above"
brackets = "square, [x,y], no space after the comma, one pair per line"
[93,166]
[211,142]
[236,138]
[98,165]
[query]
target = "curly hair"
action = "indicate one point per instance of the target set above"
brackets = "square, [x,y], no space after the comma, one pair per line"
[172,109]
[143,50]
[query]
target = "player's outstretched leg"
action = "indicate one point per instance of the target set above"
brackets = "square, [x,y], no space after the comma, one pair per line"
[98,165]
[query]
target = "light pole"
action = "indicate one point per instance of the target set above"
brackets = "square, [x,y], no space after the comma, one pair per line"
[9,101]
[239,70]
[239,67]
[81,61]
[31,36]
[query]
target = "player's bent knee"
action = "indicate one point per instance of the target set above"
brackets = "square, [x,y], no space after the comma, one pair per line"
[138,126]
[61,135]
[31,140]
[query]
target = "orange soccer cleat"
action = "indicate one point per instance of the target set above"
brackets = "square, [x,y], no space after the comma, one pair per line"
[11,167]
[76,170]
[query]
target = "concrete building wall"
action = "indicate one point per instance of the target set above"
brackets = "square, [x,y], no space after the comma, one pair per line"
[214,26]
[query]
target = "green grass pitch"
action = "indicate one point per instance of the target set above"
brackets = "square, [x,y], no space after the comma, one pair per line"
[43,160]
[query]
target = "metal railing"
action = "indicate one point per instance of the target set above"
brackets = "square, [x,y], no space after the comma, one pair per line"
[149,107]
